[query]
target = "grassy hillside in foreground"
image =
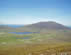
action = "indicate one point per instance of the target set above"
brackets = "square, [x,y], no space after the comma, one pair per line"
[38,49]
[37,44]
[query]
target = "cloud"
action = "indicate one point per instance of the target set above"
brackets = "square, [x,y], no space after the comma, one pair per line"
[32,19]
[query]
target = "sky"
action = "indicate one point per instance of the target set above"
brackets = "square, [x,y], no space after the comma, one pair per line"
[33,11]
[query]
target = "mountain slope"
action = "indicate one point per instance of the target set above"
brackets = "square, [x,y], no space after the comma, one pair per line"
[44,26]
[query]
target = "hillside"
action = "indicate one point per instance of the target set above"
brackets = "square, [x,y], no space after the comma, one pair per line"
[6,28]
[44,26]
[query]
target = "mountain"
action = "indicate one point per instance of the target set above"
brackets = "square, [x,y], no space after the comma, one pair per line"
[44,26]
[49,31]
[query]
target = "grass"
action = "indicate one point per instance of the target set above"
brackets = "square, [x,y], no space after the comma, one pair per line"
[37,44]
[35,49]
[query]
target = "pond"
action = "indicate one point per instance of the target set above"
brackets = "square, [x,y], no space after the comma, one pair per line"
[20,32]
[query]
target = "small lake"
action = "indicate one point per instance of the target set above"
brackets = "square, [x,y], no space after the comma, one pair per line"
[23,38]
[22,32]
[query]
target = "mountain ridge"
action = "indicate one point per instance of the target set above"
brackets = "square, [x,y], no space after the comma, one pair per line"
[50,25]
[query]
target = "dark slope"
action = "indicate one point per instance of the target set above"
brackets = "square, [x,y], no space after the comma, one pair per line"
[49,25]
[44,26]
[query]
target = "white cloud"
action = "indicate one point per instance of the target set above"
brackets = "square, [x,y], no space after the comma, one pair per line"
[31,19]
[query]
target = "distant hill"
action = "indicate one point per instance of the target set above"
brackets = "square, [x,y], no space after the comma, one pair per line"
[44,26]
[15,26]
[6,28]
